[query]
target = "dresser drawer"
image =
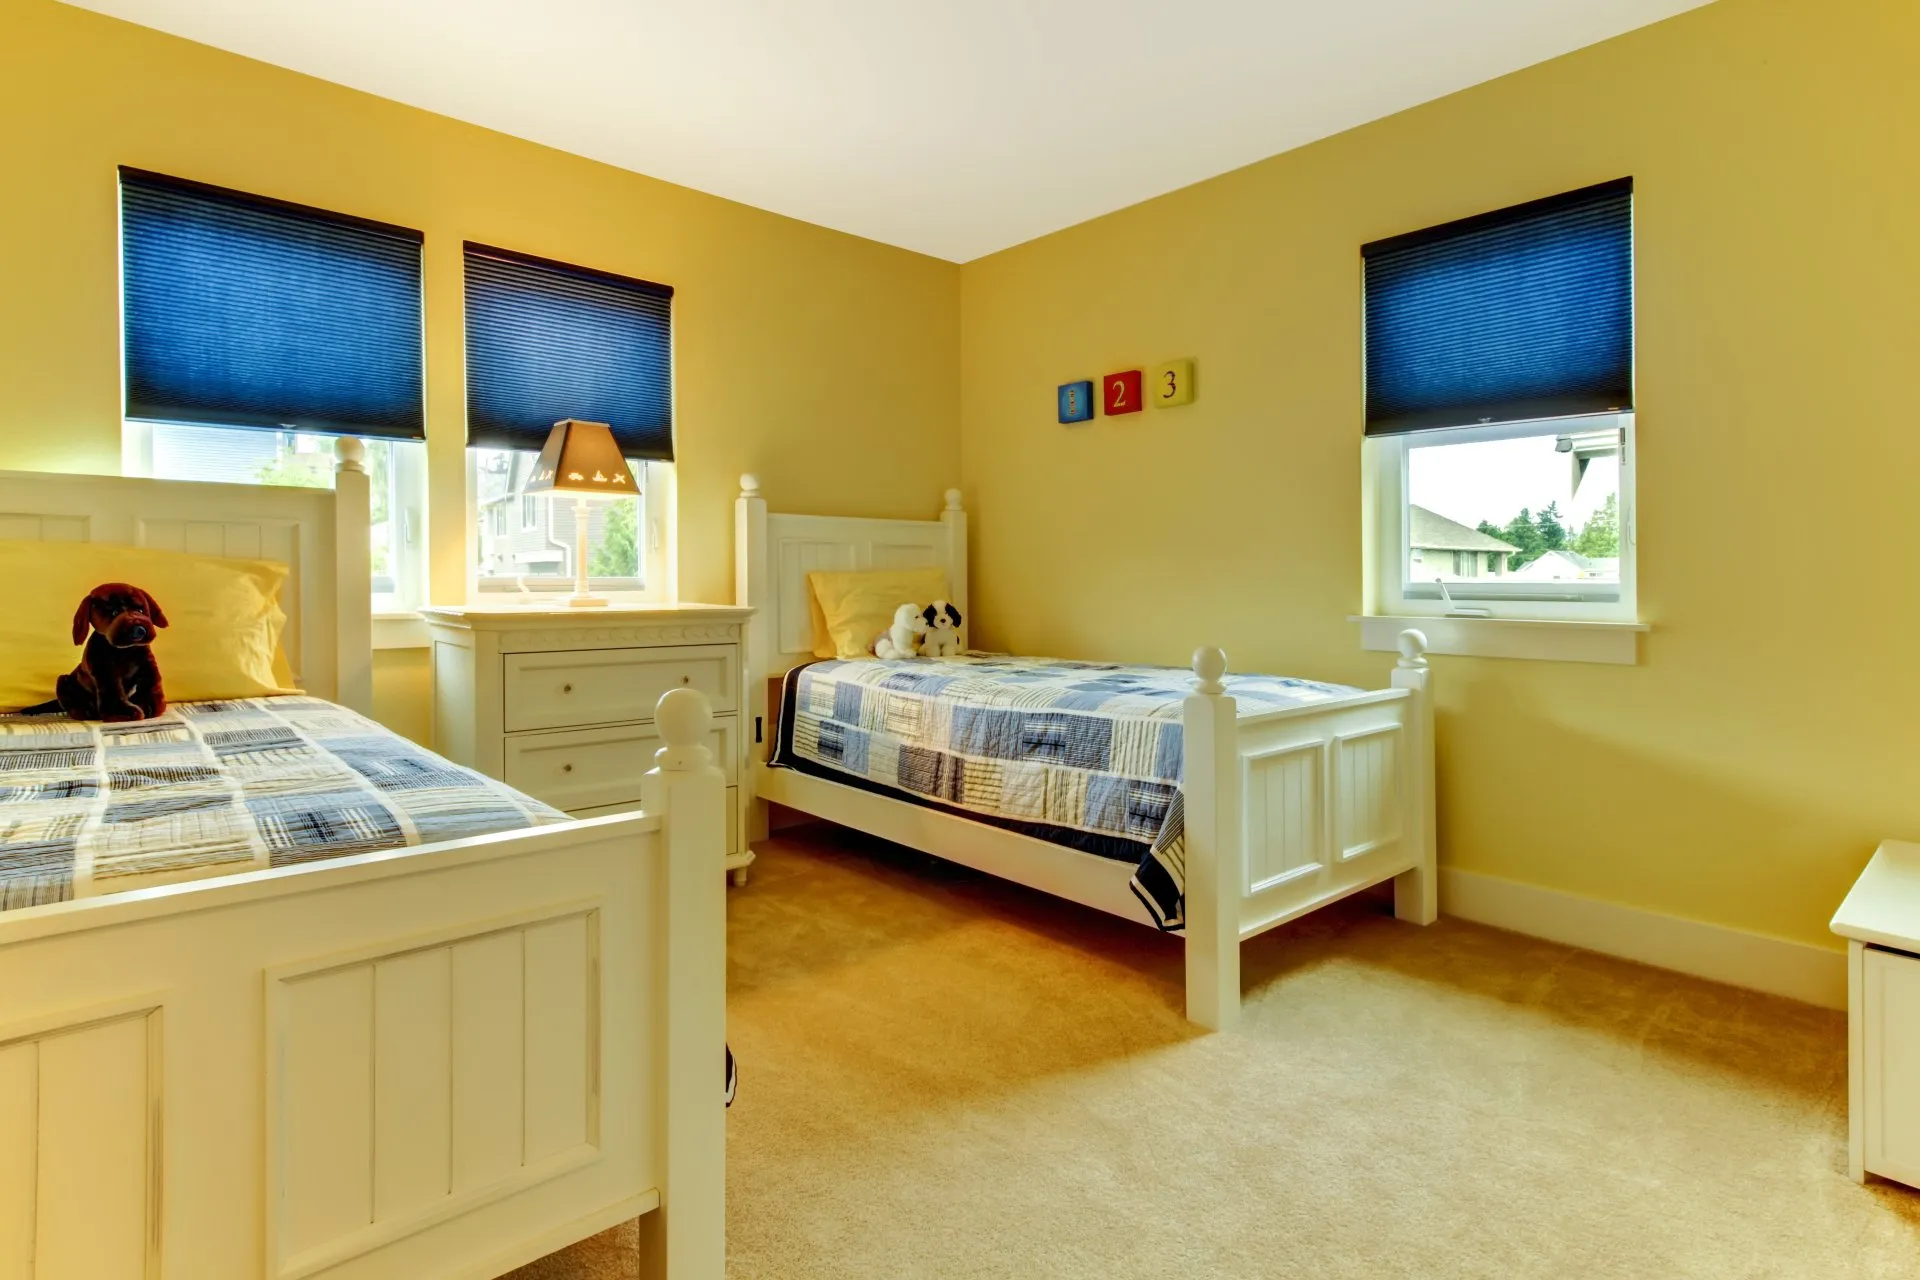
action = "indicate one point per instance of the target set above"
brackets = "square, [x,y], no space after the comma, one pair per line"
[593,768]
[577,687]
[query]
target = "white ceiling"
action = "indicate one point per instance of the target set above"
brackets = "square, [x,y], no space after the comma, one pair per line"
[954,127]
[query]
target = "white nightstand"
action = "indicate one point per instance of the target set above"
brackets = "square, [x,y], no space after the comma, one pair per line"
[1881,921]
[559,702]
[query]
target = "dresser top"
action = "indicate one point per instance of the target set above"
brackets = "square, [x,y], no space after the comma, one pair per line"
[1884,906]
[499,617]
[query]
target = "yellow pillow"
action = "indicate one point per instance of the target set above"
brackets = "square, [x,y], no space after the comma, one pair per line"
[222,638]
[857,607]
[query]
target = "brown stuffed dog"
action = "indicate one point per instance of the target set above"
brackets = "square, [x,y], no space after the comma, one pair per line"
[118,678]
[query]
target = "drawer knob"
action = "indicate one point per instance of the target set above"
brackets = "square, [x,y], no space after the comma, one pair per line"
[686,679]
[566,688]
[566,768]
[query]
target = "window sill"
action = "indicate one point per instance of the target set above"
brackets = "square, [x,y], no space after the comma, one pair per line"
[399,631]
[1617,643]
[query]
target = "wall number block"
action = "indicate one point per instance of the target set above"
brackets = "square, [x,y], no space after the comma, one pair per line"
[1076,401]
[1171,384]
[1120,393]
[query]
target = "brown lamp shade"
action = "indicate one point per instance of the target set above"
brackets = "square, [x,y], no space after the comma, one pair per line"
[581,457]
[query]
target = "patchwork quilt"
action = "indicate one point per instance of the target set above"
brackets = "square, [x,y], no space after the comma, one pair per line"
[213,788]
[1080,753]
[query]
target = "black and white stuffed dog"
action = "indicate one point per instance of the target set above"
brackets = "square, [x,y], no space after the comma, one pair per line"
[943,630]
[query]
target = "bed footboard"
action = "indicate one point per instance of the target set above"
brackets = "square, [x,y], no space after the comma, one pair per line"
[427,1064]
[1290,810]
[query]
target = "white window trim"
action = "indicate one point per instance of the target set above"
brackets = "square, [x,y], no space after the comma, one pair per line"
[407,505]
[659,497]
[1593,630]
[397,630]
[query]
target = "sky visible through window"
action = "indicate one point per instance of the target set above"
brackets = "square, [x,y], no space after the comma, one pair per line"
[1493,480]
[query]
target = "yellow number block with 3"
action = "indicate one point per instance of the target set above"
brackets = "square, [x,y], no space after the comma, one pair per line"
[1171,384]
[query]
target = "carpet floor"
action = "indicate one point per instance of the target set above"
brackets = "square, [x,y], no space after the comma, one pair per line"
[947,1076]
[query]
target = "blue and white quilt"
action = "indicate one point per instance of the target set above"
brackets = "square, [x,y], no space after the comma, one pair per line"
[1080,753]
[214,788]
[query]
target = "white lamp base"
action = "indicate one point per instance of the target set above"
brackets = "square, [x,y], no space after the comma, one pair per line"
[582,598]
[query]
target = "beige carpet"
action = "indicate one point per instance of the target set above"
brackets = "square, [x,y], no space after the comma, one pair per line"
[945,1076]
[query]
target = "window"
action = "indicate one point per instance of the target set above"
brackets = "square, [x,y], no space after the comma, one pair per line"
[626,537]
[1499,406]
[396,470]
[253,330]
[547,341]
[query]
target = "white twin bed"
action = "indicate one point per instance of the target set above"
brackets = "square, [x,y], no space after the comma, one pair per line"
[411,1063]
[1295,795]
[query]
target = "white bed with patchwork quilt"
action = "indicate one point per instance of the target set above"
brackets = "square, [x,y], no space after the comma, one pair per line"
[1215,805]
[284,995]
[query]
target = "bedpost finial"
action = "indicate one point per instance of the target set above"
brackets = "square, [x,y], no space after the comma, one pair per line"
[350,454]
[1413,648]
[749,485]
[684,718]
[953,500]
[1210,664]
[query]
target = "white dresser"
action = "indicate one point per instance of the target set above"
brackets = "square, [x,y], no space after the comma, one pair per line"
[1881,922]
[559,702]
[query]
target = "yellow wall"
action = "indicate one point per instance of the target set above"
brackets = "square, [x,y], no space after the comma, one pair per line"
[1742,773]
[827,363]
[403,692]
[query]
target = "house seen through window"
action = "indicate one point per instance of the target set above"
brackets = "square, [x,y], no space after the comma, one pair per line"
[521,539]
[1529,511]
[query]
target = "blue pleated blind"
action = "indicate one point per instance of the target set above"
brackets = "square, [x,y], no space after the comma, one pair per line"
[241,311]
[1515,315]
[547,341]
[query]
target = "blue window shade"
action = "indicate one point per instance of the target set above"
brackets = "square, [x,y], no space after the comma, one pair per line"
[547,341]
[1515,315]
[241,311]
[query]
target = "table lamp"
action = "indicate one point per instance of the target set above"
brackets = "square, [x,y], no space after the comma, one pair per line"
[582,459]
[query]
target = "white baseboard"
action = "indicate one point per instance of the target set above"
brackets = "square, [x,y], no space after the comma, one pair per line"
[1752,960]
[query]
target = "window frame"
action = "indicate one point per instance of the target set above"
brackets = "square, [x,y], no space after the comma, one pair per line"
[1388,591]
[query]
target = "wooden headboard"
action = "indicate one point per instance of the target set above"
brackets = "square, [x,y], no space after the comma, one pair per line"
[320,535]
[774,552]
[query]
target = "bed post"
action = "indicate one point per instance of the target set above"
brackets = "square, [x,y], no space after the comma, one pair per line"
[954,520]
[686,1236]
[1416,893]
[1216,857]
[749,589]
[353,578]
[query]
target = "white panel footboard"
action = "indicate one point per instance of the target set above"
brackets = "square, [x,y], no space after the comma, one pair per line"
[414,1085]
[414,1065]
[1326,799]
[1290,810]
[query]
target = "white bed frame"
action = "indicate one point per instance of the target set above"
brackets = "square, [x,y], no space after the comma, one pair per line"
[411,1065]
[1286,810]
